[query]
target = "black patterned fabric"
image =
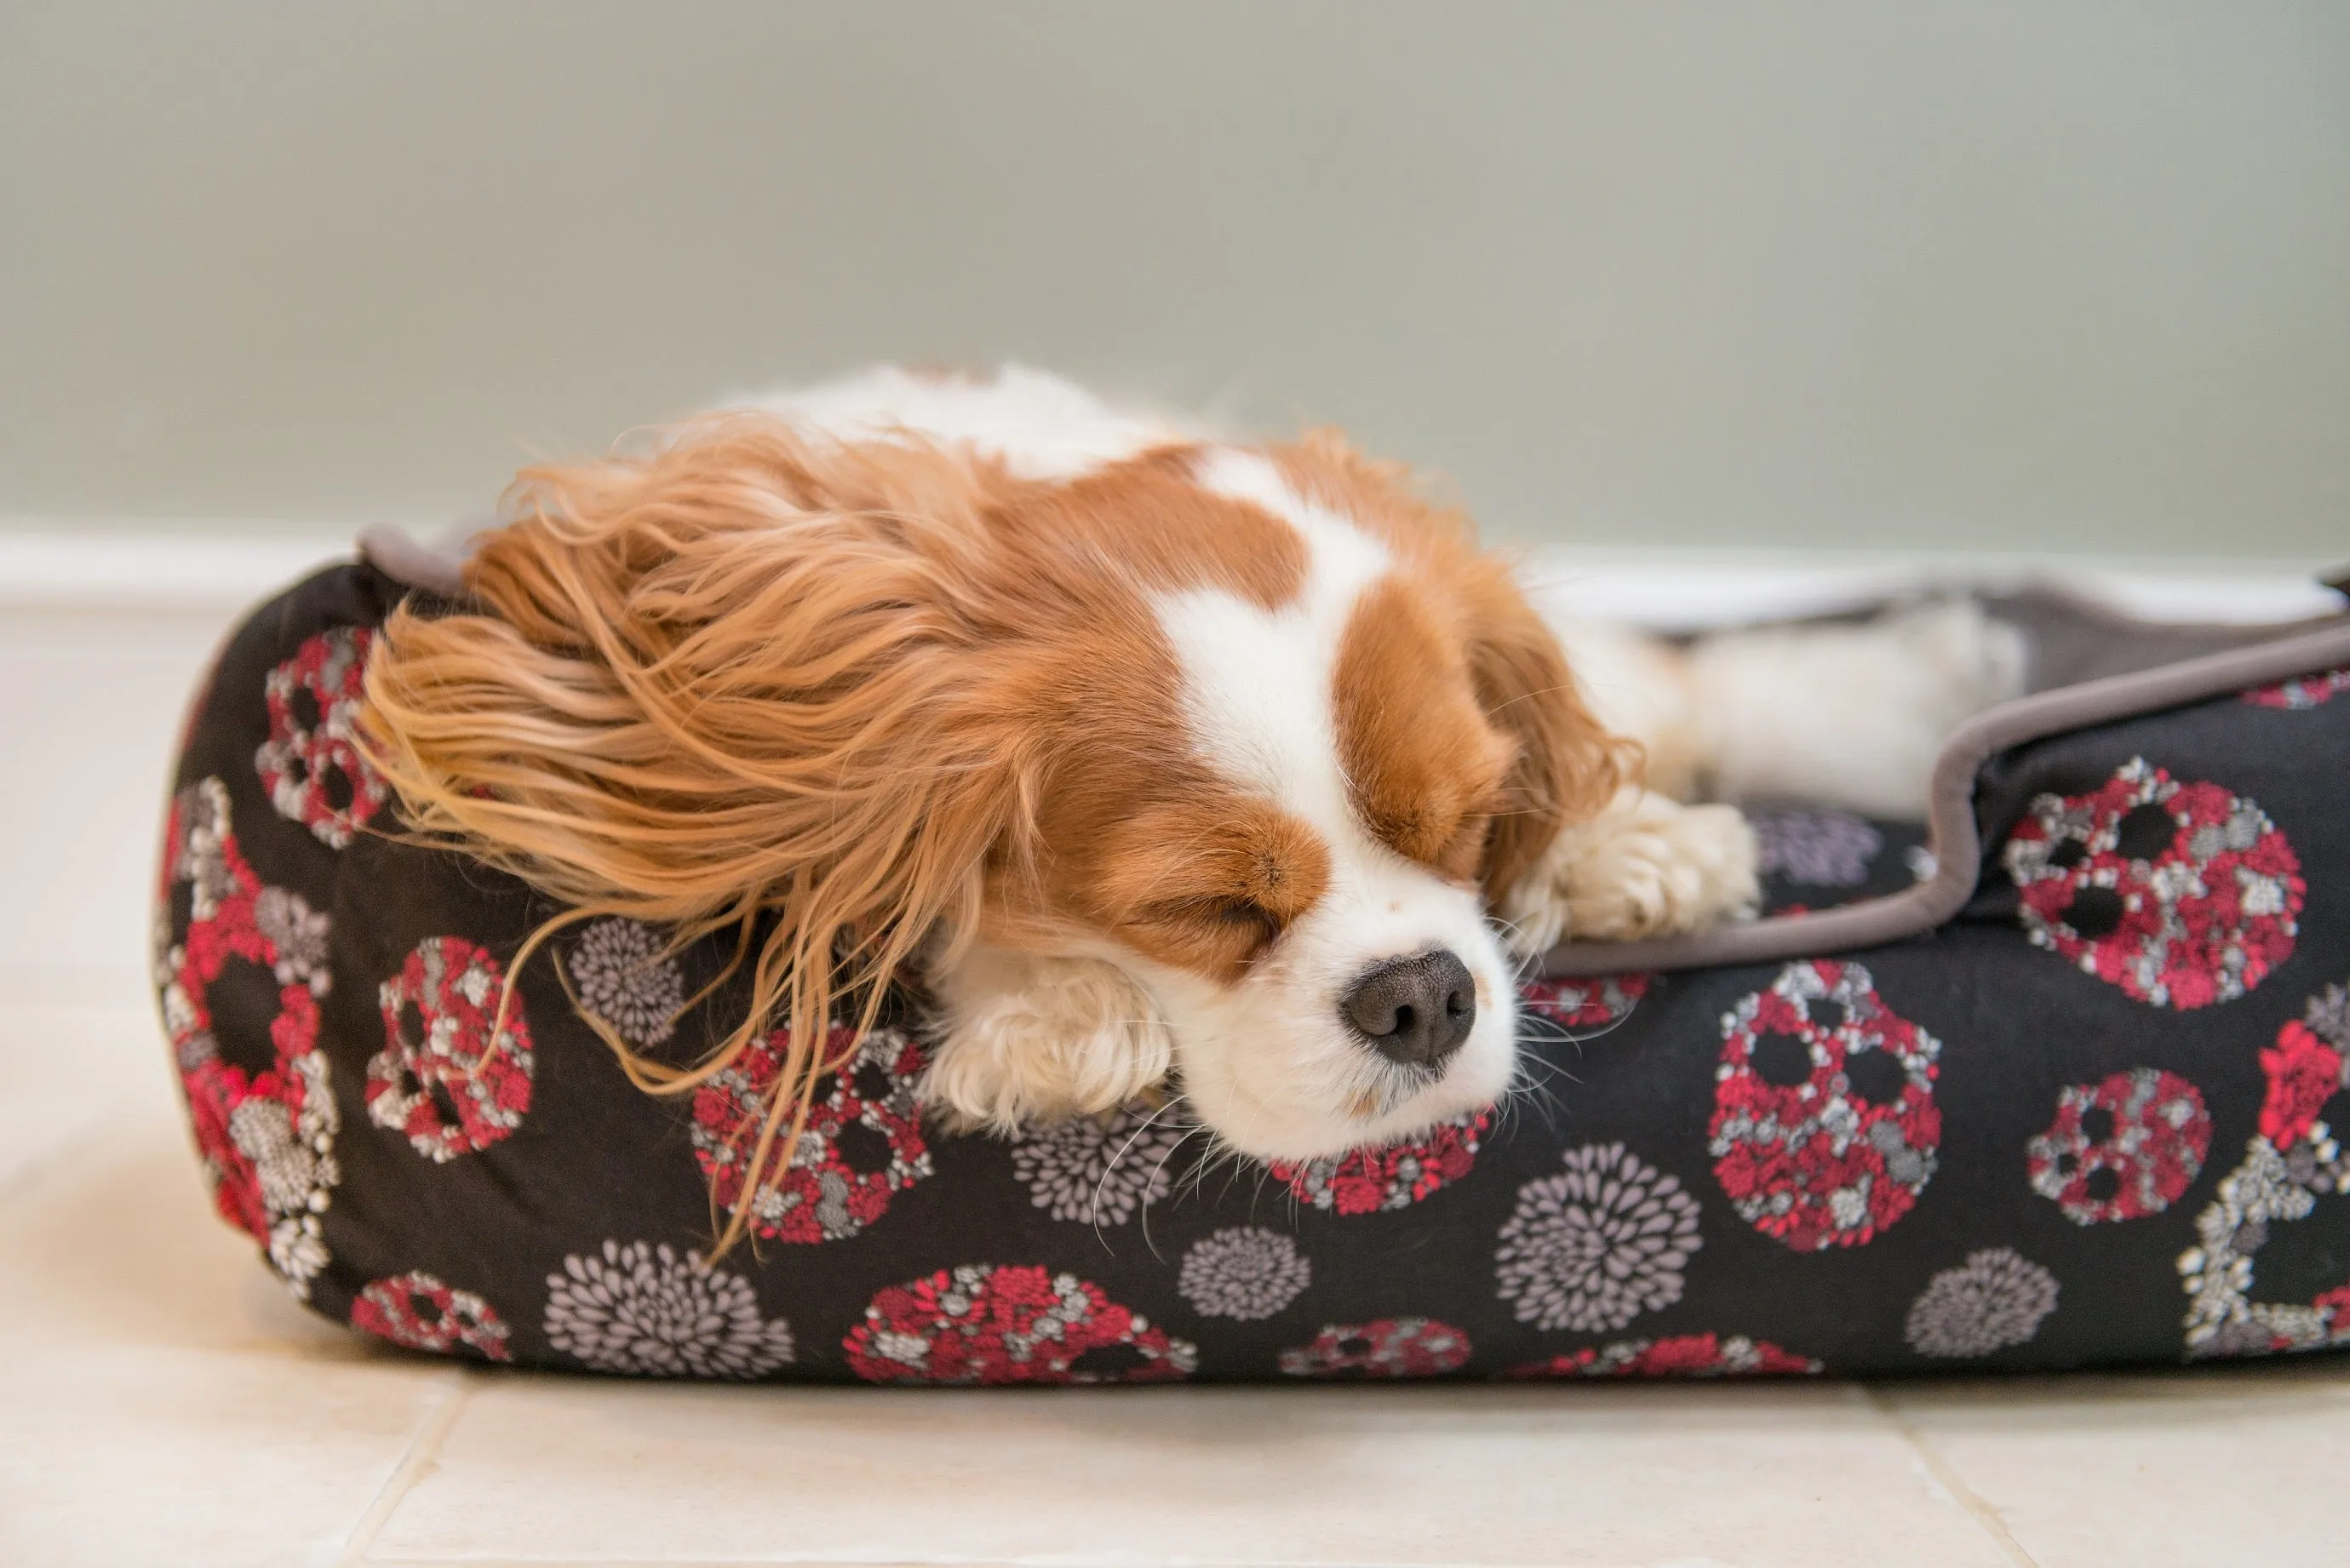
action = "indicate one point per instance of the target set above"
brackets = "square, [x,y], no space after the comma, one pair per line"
[2087,1123]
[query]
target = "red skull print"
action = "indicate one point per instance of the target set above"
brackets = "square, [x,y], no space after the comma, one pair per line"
[451,1075]
[2302,692]
[2123,1149]
[258,1095]
[2294,1167]
[420,1311]
[311,765]
[1392,1176]
[1389,1348]
[1576,1004]
[1825,1127]
[1678,1355]
[2181,894]
[861,1144]
[983,1323]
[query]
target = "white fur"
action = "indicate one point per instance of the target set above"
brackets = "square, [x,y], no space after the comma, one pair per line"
[1268,1061]
[1023,1038]
[1258,684]
[1042,426]
[1646,866]
[1841,715]
[1848,716]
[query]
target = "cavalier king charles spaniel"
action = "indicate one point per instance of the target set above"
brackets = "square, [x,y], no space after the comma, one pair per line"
[1151,763]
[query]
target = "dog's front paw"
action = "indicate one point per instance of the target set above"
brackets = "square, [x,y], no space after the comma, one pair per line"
[1022,1038]
[1647,867]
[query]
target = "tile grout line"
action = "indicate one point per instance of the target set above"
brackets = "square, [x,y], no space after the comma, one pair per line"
[856,1563]
[1985,1515]
[423,1450]
[752,1562]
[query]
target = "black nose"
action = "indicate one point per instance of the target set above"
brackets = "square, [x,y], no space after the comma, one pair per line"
[1416,1011]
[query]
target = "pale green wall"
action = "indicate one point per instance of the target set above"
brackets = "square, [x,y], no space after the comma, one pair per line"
[2044,275]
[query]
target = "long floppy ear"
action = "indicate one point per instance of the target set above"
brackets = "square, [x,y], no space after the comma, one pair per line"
[728,685]
[1568,765]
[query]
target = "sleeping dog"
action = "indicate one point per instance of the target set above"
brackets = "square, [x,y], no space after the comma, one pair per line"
[1151,762]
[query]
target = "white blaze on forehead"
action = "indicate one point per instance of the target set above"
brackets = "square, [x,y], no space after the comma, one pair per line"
[1257,682]
[1269,1060]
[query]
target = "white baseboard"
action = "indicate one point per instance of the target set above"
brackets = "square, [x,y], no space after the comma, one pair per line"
[1687,590]
[45,565]
[99,568]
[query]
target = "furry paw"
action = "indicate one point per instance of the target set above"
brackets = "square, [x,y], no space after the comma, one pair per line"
[1022,1038]
[1647,867]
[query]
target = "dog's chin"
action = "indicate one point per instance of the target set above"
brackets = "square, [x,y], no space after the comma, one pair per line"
[1272,1122]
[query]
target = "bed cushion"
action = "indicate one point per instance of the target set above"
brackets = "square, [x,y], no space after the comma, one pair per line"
[2084,1119]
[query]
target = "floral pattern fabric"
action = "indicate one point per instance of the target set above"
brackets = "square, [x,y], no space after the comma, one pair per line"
[1995,1299]
[628,981]
[2096,1118]
[1816,848]
[644,1310]
[1598,1244]
[1100,1170]
[1246,1271]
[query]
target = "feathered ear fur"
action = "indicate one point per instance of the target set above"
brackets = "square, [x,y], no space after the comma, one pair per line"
[732,684]
[1568,765]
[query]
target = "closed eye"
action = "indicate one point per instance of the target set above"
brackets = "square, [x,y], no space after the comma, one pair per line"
[1448,841]
[1239,915]
[1464,851]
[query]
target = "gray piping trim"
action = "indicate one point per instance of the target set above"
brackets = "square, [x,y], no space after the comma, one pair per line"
[1951,829]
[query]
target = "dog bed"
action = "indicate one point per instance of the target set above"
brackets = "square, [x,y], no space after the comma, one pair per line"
[2049,1082]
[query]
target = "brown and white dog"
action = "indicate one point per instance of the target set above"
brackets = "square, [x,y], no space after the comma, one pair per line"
[1151,759]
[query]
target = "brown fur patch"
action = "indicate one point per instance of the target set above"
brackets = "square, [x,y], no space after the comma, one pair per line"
[1564,766]
[1423,764]
[1134,836]
[1193,875]
[843,695]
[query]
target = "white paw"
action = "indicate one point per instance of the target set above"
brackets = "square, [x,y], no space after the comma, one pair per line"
[1022,1040]
[1645,868]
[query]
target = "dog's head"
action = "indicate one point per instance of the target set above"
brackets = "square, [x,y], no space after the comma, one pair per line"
[1210,759]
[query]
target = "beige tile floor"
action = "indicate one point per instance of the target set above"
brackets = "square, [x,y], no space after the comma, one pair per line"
[162,1401]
